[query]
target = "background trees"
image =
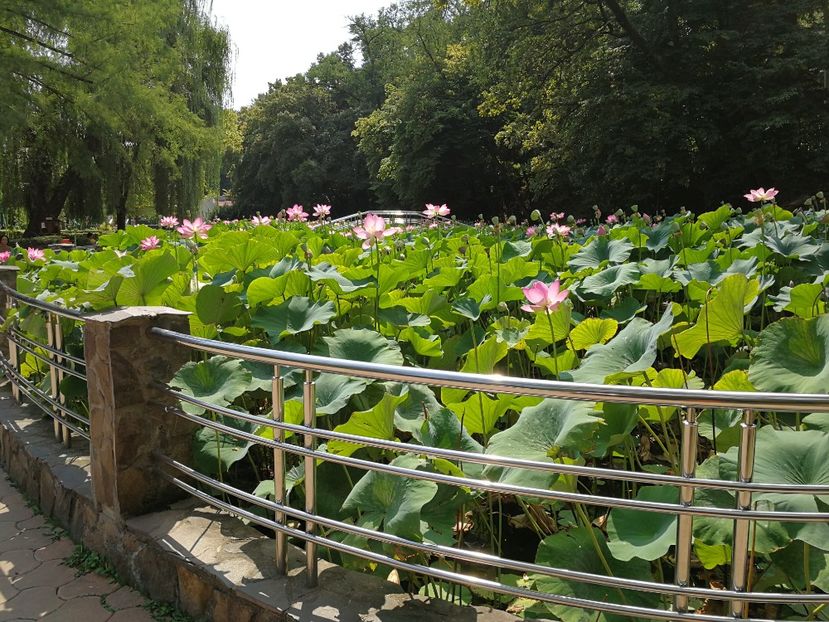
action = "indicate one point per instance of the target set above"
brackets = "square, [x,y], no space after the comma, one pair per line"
[109,102]
[505,105]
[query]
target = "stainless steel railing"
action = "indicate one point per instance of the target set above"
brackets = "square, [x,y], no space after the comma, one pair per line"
[56,321]
[743,515]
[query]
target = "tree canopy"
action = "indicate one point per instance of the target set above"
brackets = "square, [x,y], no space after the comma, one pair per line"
[109,102]
[500,106]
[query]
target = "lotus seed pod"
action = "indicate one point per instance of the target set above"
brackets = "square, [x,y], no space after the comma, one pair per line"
[535,216]
[502,307]
[495,220]
[819,195]
[571,220]
[634,209]
[512,220]
[620,212]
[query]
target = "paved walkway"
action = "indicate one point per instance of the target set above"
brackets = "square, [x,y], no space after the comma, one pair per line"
[35,584]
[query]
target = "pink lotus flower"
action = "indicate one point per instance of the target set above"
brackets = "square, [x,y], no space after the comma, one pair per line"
[647,218]
[260,221]
[322,211]
[148,244]
[297,214]
[197,228]
[542,297]
[612,219]
[35,254]
[433,211]
[531,231]
[4,256]
[373,230]
[556,216]
[761,195]
[602,230]
[557,230]
[580,221]
[169,222]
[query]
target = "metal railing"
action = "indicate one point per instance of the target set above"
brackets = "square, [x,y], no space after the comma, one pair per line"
[286,519]
[57,322]
[392,217]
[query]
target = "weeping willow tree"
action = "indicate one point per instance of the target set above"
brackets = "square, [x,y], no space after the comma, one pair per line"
[109,103]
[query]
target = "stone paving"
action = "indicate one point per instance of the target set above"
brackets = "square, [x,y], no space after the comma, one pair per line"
[35,584]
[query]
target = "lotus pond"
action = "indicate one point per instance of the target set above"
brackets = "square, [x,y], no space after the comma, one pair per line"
[723,300]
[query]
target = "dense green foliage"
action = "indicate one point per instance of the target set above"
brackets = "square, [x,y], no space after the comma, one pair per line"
[108,105]
[499,106]
[723,300]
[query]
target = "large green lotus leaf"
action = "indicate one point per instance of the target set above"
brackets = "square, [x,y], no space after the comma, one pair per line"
[266,289]
[540,330]
[363,344]
[791,563]
[218,380]
[630,352]
[333,392]
[131,236]
[105,296]
[214,305]
[392,502]
[545,432]
[238,250]
[146,279]
[469,307]
[792,245]
[591,331]
[328,274]
[213,450]
[601,250]
[659,236]
[659,284]
[442,429]
[619,421]
[817,421]
[499,290]
[377,422]
[721,319]
[480,412]
[399,316]
[422,342]
[419,405]
[715,219]
[624,310]
[712,555]
[296,315]
[792,356]
[447,276]
[510,330]
[482,360]
[574,550]
[668,378]
[518,248]
[605,283]
[554,365]
[643,535]
[804,300]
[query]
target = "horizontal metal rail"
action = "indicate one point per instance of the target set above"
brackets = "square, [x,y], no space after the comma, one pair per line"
[15,336]
[41,304]
[696,398]
[69,357]
[454,577]
[37,394]
[501,461]
[395,216]
[509,489]
[492,560]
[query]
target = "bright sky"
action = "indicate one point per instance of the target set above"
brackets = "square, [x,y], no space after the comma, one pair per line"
[279,38]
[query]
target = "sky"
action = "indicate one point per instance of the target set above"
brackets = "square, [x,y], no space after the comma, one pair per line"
[274,39]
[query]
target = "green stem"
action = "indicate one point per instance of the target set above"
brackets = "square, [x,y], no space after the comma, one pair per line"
[553,337]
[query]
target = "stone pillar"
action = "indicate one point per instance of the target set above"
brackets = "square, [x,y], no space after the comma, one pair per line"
[127,419]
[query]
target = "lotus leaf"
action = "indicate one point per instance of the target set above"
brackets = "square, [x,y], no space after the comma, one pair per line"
[792,355]
[296,315]
[218,380]
[643,535]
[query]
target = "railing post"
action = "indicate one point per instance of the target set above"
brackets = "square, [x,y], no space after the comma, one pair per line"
[278,389]
[67,433]
[742,527]
[128,423]
[8,277]
[310,442]
[685,522]
[53,378]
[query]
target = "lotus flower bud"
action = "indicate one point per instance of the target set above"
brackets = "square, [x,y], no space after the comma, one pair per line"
[571,220]
[495,220]
[819,195]
[502,307]
[535,216]
[512,220]
[634,209]
[620,212]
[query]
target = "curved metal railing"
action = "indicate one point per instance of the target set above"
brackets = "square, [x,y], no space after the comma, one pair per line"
[392,217]
[61,364]
[743,515]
